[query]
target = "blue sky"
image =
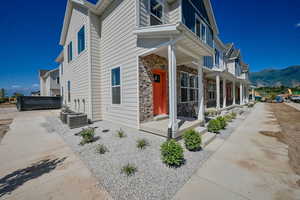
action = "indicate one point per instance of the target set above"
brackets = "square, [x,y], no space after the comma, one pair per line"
[265,30]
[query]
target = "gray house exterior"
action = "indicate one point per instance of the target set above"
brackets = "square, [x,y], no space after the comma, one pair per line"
[133,61]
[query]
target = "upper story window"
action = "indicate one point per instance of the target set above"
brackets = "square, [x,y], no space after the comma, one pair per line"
[203,31]
[156,12]
[198,26]
[70,52]
[208,61]
[69,91]
[57,80]
[116,85]
[217,57]
[81,40]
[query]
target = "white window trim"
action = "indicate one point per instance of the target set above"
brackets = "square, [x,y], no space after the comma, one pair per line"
[189,87]
[163,12]
[205,33]
[68,60]
[121,87]
[199,19]
[214,91]
[85,40]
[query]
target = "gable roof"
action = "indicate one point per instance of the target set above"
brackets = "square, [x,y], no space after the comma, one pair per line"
[97,8]
[211,16]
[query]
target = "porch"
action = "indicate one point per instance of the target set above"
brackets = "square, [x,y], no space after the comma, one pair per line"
[160,127]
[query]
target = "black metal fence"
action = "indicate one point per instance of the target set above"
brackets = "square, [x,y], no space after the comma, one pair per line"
[38,103]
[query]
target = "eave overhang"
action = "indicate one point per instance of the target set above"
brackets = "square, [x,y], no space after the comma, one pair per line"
[97,9]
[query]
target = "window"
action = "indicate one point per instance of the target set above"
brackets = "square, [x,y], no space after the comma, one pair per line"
[70,52]
[193,88]
[198,26]
[57,80]
[69,91]
[62,68]
[203,32]
[184,78]
[208,61]
[62,93]
[217,57]
[156,12]
[209,37]
[81,40]
[211,91]
[116,85]
[188,87]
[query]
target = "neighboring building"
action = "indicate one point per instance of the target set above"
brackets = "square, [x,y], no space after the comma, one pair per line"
[36,93]
[49,82]
[130,61]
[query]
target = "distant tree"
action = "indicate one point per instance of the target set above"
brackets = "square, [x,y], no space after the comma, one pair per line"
[16,94]
[2,93]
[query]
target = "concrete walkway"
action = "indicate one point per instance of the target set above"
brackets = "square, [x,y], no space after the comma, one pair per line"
[36,164]
[294,105]
[247,166]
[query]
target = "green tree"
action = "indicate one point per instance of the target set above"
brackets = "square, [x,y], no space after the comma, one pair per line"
[2,93]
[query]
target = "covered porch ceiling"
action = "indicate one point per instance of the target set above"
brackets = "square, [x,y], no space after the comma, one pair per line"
[188,47]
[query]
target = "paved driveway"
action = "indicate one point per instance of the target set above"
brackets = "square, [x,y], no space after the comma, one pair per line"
[248,165]
[36,164]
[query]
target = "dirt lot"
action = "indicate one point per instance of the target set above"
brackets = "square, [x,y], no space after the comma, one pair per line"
[7,113]
[289,120]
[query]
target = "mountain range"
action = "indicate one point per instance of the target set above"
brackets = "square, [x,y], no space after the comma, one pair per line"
[289,77]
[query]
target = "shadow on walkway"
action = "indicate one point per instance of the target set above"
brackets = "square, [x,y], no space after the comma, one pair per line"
[17,178]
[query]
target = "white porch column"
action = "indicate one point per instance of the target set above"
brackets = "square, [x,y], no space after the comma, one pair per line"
[218,90]
[224,93]
[253,95]
[172,90]
[247,94]
[241,94]
[233,92]
[200,93]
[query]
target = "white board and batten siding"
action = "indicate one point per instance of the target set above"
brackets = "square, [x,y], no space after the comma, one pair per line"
[77,71]
[118,49]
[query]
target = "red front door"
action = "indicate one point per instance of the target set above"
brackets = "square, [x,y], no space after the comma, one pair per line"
[159,92]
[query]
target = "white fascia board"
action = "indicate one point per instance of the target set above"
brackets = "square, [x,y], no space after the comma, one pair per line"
[154,30]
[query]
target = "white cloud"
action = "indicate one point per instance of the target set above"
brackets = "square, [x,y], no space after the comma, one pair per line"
[15,86]
[35,85]
[298,25]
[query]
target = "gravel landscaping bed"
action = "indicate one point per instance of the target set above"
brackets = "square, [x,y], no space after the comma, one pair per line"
[153,179]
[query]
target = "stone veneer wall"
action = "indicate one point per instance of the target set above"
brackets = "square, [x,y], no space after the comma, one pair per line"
[188,109]
[146,65]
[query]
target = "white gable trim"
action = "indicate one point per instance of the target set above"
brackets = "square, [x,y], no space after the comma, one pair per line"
[211,16]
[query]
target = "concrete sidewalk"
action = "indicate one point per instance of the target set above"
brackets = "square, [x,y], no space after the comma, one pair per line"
[36,164]
[247,166]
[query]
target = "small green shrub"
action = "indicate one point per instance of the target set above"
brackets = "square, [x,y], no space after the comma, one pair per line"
[129,169]
[87,135]
[214,126]
[192,140]
[121,134]
[233,115]
[172,153]
[228,118]
[142,143]
[222,122]
[101,149]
